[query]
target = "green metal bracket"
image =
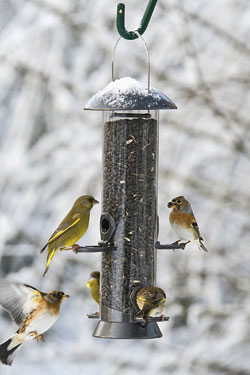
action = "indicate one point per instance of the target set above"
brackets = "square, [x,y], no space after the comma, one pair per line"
[143,25]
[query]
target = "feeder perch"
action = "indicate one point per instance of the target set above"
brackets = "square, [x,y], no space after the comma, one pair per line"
[129,223]
[160,246]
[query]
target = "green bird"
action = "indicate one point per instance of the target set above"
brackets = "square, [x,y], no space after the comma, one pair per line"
[71,229]
[94,284]
[151,301]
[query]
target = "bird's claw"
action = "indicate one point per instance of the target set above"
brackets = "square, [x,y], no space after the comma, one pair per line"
[176,243]
[37,337]
[184,244]
[40,337]
[75,247]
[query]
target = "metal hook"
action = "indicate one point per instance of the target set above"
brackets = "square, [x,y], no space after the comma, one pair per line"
[143,25]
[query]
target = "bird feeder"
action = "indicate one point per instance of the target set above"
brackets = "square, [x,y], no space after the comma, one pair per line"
[129,222]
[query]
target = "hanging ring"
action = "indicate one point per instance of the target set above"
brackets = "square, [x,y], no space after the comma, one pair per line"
[147,53]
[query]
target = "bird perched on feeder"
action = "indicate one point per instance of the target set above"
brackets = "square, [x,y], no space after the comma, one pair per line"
[151,301]
[33,311]
[183,222]
[71,229]
[94,284]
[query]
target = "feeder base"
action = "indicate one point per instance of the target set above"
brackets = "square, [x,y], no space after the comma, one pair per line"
[127,330]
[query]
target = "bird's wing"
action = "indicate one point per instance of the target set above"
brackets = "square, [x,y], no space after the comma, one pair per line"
[196,228]
[60,230]
[17,299]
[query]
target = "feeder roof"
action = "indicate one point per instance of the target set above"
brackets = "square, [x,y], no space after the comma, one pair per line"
[128,94]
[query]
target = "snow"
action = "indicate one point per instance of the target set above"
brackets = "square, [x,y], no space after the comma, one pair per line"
[127,93]
[54,57]
[115,93]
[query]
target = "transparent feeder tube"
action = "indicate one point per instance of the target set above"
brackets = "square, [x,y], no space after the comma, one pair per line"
[130,173]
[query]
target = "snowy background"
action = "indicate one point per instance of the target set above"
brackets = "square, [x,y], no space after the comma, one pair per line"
[54,55]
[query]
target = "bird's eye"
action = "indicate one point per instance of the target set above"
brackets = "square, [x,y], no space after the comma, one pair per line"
[178,201]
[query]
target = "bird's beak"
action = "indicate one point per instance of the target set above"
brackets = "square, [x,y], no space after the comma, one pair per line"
[170,204]
[66,296]
[88,284]
[95,201]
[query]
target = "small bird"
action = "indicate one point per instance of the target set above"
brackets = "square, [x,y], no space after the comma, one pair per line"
[183,222]
[94,284]
[33,311]
[71,229]
[151,301]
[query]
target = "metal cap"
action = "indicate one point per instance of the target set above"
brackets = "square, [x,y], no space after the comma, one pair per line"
[127,330]
[128,94]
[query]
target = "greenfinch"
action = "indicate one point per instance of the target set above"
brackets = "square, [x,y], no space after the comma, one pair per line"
[183,222]
[94,284]
[71,229]
[151,301]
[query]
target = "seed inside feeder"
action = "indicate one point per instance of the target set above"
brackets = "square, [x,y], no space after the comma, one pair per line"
[129,196]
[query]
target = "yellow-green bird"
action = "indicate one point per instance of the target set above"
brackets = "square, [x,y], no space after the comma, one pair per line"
[71,229]
[151,301]
[94,284]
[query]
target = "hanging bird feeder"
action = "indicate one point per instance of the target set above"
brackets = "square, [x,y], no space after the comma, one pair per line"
[129,222]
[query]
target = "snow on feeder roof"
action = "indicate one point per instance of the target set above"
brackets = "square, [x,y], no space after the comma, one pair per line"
[128,94]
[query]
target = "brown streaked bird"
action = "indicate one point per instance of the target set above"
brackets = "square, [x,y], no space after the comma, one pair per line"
[71,229]
[183,222]
[151,302]
[94,284]
[33,311]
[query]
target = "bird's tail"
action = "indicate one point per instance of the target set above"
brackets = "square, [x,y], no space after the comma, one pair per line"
[8,349]
[201,245]
[51,253]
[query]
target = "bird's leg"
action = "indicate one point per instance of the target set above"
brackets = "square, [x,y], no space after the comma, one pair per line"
[40,337]
[75,247]
[36,336]
[33,334]
[65,248]
[162,317]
